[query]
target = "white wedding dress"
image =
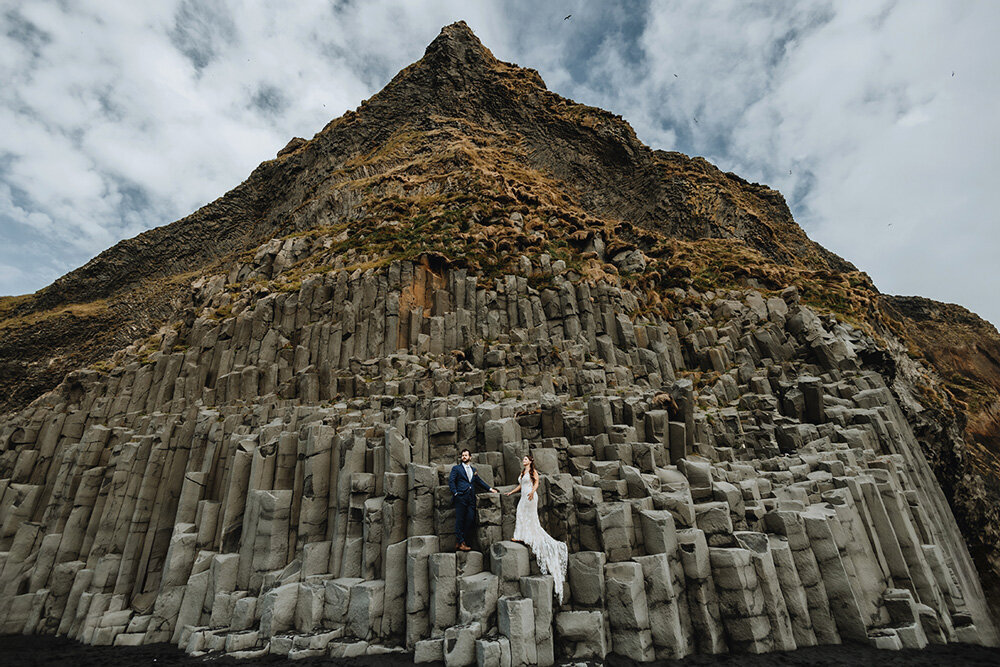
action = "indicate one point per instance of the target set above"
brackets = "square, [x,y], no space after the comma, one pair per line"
[552,555]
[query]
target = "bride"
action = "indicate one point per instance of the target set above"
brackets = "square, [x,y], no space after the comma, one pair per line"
[551,554]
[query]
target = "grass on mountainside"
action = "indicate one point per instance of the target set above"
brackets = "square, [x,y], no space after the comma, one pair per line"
[74,310]
[449,192]
[9,303]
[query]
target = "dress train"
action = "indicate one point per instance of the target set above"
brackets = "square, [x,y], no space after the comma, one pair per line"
[551,554]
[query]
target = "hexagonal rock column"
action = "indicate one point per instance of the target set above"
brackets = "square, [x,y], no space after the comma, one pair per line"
[669,639]
[394,606]
[489,520]
[337,599]
[741,602]
[493,652]
[419,549]
[581,635]
[792,526]
[460,644]
[658,532]
[792,591]
[585,573]
[278,609]
[836,579]
[420,499]
[516,622]
[364,613]
[509,561]
[265,536]
[477,599]
[309,609]
[444,592]
[538,589]
[627,611]
[759,549]
[614,521]
[703,604]
[906,620]
[716,522]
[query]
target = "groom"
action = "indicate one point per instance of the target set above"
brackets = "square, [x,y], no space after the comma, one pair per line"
[462,481]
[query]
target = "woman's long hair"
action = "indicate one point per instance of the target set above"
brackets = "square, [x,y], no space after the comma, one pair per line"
[531,468]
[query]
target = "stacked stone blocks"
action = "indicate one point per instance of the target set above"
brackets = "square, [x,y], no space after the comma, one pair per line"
[275,481]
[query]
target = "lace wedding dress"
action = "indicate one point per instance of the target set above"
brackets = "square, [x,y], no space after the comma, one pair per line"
[552,555]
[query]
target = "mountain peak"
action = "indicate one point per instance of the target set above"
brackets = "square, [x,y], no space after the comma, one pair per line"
[457,43]
[457,72]
[457,56]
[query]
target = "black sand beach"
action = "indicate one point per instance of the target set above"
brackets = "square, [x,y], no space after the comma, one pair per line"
[18,651]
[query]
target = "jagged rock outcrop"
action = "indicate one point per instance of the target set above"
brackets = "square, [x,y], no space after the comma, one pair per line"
[734,467]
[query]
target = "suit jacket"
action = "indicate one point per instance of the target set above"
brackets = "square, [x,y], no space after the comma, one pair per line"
[460,485]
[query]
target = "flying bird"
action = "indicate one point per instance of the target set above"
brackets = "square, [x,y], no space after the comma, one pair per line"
[568,17]
[695,121]
[675,76]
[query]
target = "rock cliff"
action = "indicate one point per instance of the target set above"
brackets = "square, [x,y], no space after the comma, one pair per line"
[233,432]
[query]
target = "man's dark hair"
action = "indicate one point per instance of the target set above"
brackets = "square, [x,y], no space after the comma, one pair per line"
[464,451]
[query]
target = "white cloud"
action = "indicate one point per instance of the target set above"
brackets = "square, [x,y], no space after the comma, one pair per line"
[893,159]
[121,116]
[901,152]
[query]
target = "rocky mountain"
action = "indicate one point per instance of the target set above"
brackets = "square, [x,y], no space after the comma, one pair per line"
[233,432]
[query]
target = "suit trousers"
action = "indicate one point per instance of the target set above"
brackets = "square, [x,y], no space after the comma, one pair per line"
[465,517]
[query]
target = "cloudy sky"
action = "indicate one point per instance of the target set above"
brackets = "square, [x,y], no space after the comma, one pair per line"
[876,119]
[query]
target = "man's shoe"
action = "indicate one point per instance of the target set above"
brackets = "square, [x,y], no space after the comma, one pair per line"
[464,547]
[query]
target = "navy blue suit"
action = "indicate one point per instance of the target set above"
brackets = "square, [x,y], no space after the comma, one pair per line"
[464,496]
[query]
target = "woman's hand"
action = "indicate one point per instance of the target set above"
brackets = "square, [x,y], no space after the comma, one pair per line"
[531,494]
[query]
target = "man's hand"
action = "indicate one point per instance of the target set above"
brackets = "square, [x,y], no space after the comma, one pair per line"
[492,490]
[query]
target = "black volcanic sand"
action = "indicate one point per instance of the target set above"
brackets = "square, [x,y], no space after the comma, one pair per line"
[16,651]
